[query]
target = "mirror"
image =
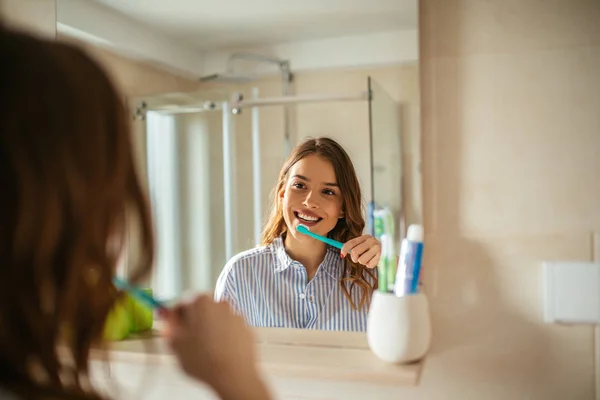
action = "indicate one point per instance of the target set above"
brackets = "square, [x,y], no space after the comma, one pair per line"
[259,81]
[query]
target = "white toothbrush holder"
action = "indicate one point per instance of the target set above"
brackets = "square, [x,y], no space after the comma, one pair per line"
[399,328]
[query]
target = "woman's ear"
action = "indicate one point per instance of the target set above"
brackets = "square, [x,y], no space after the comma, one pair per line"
[280,195]
[342,214]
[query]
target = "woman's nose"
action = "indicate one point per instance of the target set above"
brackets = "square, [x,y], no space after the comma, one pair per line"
[310,201]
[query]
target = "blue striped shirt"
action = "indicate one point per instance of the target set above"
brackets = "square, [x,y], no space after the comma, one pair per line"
[270,289]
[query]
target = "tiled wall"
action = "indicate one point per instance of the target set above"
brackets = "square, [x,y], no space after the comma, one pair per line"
[511,153]
[136,78]
[35,16]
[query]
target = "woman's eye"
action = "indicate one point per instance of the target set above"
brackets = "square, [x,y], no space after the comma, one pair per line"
[329,192]
[298,185]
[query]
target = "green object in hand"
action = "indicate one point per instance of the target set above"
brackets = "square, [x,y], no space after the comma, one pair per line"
[128,316]
[118,323]
[142,317]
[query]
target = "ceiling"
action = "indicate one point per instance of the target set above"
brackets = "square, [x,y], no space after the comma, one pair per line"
[222,24]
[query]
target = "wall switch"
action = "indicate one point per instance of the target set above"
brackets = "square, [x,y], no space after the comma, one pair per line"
[571,292]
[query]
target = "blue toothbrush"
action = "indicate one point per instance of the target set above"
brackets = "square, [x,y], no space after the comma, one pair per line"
[304,229]
[140,294]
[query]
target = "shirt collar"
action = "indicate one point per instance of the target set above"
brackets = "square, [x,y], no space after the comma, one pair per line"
[332,264]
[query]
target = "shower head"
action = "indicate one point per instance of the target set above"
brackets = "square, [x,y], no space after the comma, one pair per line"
[226,78]
[230,77]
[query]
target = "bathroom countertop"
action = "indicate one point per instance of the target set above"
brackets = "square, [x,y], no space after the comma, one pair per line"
[289,353]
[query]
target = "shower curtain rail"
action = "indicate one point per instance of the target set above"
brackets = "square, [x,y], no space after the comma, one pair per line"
[314,98]
[185,109]
[267,101]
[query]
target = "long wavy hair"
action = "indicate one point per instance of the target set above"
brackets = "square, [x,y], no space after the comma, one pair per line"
[347,228]
[69,195]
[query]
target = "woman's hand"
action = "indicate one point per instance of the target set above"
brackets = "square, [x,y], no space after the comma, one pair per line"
[215,346]
[365,250]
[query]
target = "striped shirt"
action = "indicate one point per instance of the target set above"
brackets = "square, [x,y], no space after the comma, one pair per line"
[270,289]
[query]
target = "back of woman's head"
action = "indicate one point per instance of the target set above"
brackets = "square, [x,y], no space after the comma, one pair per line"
[68,188]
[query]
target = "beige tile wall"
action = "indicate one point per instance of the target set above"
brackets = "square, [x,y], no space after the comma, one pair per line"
[35,16]
[511,141]
[136,78]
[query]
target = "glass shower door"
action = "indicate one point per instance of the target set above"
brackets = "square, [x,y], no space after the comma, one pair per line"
[180,163]
[386,207]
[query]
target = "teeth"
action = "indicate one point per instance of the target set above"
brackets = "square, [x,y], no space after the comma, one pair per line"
[307,217]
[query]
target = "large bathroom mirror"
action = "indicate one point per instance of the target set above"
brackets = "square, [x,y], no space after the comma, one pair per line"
[258,81]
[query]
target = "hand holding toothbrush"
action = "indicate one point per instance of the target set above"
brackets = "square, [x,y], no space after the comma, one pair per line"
[211,343]
[215,346]
[365,250]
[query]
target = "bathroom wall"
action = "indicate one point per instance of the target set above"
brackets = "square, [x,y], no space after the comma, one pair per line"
[135,78]
[35,16]
[511,136]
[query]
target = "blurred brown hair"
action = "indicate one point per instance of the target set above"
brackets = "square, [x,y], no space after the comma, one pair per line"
[68,191]
[347,228]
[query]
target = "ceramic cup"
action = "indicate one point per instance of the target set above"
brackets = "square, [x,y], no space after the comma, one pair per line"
[399,328]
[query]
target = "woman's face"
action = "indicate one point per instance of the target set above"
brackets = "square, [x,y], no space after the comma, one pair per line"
[311,196]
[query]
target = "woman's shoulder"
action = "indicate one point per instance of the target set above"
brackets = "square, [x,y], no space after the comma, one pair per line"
[250,257]
[243,265]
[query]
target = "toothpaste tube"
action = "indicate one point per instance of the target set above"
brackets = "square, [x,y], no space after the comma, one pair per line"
[409,262]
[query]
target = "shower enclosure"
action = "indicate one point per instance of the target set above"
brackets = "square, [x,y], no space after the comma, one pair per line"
[210,160]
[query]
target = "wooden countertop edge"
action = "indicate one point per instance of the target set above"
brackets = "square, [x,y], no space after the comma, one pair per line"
[295,356]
